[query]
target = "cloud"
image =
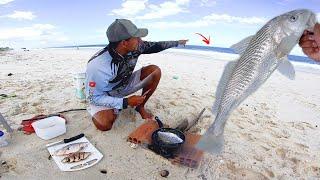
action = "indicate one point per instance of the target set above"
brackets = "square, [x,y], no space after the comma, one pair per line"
[21,15]
[283,2]
[208,3]
[31,32]
[37,32]
[318,16]
[130,8]
[165,9]
[168,25]
[209,20]
[234,19]
[5,1]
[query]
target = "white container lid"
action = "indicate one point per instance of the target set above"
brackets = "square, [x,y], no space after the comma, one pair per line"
[50,127]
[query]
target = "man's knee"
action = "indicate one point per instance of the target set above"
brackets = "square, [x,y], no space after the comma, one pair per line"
[102,126]
[103,120]
[156,69]
[105,127]
[151,69]
[156,72]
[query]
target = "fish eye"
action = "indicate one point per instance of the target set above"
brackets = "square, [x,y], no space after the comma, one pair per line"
[293,18]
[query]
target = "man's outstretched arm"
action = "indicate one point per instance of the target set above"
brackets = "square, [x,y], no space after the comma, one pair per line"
[146,47]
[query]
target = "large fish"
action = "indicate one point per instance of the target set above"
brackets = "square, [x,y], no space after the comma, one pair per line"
[260,55]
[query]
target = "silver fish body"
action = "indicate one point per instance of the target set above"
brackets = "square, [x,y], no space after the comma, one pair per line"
[169,138]
[71,148]
[260,56]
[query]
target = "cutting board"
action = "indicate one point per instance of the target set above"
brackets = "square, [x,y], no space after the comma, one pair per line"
[90,161]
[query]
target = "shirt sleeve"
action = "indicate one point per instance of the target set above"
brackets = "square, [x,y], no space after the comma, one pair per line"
[146,47]
[97,86]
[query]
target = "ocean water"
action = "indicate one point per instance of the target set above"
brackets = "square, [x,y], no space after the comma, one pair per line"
[295,58]
[301,59]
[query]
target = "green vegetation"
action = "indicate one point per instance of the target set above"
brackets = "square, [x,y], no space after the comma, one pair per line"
[5,49]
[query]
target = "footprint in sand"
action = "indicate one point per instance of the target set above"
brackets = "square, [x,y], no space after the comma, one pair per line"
[295,160]
[281,152]
[265,148]
[316,170]
[264,106]
[193,105]
[241,111]
[240,126]
[270,173]
[281,134]
[231,165]
[302,125]
[247,136]
[258,158]
[243,173]
[267,116]
[173,103]
[302,146]
[7,166]
[160,106]
[272,124]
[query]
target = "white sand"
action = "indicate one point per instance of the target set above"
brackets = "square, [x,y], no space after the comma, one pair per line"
[273,134]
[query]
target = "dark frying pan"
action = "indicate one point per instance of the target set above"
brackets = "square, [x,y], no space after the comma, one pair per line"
[166,150]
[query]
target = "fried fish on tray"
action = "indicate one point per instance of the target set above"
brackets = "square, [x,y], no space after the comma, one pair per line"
[76,157]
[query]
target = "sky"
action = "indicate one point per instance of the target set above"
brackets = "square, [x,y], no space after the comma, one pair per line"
[48,23]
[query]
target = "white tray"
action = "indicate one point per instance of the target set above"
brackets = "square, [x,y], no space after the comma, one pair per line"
[95,154]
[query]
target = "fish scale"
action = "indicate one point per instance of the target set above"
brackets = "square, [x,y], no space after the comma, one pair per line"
[243,75]
[265,52]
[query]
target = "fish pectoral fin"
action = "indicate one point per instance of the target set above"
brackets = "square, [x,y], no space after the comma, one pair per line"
[286,45]
[228,69]
[241,46]
[286,68]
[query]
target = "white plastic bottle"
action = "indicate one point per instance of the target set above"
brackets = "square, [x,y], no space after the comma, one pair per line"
[3,141]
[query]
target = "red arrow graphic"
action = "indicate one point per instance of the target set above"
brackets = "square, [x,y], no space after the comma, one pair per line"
[207,41]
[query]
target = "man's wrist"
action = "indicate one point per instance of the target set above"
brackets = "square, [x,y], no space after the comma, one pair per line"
[125,103]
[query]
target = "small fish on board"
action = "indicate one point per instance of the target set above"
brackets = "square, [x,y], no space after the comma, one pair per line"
[76,157]
[71,148]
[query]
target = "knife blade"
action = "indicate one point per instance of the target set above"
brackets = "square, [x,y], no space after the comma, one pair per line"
[66,140]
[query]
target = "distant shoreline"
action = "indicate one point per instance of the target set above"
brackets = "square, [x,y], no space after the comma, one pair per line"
[296,58]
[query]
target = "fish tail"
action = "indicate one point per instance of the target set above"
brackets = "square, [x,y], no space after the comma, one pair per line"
[213,140]
[220,121]
[211,143]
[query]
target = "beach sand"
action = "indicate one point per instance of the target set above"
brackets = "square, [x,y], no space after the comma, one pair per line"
[274,134]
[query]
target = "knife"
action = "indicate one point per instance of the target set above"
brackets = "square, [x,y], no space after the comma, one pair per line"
[66,140]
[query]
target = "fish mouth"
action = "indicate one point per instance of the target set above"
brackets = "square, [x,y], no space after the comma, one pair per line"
[311,22]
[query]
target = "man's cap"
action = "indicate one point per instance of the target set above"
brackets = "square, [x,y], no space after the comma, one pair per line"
[122,29]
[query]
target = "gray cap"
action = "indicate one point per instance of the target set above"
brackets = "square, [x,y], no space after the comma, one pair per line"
[122,29]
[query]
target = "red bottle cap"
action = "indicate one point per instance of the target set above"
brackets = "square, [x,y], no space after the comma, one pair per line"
[92,84]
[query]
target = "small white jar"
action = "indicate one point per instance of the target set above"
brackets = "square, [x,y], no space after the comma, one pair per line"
[3,141]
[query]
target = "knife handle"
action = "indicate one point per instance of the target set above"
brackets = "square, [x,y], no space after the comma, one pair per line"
[73,138]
